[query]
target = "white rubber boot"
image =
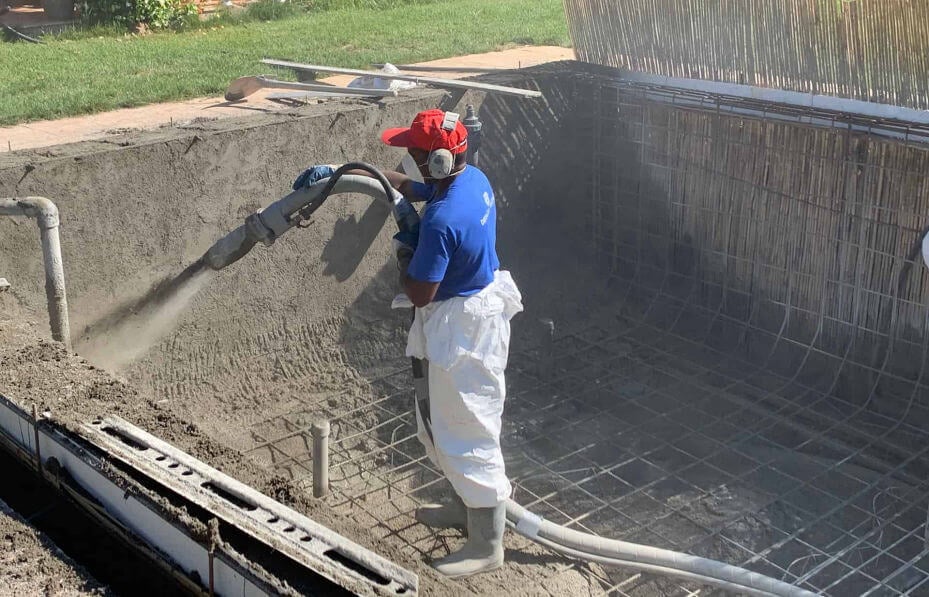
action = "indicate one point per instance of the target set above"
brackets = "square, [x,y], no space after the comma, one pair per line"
[484,550]
[453,515]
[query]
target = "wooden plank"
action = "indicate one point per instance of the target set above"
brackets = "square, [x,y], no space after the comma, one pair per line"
[245,86]
[448,83]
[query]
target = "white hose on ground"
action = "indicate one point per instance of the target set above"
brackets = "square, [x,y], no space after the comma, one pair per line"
[657,570]
[650,559]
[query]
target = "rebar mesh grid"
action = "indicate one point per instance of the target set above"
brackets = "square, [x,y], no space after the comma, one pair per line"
[778,257]
[634,433]
[752,391]
[379,473]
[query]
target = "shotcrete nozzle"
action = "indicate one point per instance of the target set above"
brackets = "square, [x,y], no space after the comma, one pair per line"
[270,223]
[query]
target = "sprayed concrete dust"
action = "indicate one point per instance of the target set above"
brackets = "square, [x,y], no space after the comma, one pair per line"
[31,565]
[126,334]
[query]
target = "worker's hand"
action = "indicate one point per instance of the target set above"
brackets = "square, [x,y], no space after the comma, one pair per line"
[311,175]
[406,238]
[404,244]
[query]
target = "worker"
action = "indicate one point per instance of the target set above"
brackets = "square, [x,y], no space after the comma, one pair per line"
[450,272]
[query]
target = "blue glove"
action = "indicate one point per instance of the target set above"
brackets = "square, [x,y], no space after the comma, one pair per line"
[311,175]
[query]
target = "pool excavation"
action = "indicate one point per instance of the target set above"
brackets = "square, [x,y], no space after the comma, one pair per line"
[717,384]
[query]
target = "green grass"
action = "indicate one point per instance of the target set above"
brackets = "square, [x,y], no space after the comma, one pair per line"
[79,75]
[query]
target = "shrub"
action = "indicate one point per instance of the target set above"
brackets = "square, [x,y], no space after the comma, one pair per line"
[160,14]
[157,14]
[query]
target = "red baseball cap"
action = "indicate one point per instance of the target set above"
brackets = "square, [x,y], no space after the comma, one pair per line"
[431,129]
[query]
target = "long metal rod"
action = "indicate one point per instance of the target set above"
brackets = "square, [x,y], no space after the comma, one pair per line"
[779,96]
[316,87]
[425,68]
[415,79]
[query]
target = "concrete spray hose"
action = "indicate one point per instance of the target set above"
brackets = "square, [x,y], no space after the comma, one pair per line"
[648,559]
[268,224]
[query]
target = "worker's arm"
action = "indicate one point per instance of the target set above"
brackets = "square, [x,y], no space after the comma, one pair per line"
[420,293]
[422,269]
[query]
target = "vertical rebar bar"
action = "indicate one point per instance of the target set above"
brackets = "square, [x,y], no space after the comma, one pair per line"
[546,362]
[35,429]
[320,432]
[214,542]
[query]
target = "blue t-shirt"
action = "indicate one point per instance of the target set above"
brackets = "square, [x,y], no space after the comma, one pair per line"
[457,236]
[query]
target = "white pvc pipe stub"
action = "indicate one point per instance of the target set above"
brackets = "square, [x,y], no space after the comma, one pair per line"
[320,431]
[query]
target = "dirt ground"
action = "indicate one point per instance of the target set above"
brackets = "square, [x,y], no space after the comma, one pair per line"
[37,370]
[33,566]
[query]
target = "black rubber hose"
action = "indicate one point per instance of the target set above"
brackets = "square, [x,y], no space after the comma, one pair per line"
[307,211]
[388,190]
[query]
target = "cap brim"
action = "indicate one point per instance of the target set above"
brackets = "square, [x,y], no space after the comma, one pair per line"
[397,137]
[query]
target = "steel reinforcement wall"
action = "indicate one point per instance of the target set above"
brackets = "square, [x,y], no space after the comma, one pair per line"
[767,285]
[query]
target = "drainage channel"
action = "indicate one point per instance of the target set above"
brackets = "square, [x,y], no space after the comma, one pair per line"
[208,532]
[102,554]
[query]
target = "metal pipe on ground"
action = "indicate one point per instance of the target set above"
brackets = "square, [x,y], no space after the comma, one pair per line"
[425,68]
[46,214]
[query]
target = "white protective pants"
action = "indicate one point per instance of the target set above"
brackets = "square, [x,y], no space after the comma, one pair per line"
[466,341]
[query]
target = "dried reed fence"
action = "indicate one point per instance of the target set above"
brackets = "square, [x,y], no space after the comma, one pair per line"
[871,50]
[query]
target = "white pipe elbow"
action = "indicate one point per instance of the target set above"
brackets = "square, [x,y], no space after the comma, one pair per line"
[45,213]
[43,210]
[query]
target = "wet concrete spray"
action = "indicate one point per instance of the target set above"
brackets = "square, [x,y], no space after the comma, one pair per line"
[127,333]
